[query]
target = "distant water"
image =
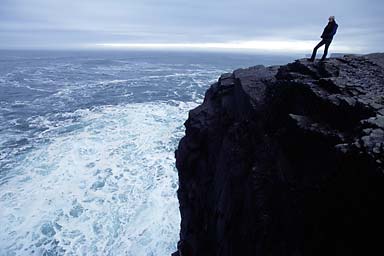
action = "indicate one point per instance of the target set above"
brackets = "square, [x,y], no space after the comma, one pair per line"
[87,144]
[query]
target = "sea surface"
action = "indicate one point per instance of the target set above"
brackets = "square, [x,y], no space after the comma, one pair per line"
[87,143]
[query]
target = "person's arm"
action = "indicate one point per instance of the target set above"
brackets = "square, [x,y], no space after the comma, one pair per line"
[334,29]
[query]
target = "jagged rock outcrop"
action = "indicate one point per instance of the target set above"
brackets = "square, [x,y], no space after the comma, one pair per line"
[286,160]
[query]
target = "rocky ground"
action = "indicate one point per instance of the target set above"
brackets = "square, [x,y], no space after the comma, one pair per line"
[286,160]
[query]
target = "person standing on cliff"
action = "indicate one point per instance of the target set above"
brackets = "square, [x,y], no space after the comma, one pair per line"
[327,36]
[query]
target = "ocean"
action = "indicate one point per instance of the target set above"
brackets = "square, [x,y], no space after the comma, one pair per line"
[87,141]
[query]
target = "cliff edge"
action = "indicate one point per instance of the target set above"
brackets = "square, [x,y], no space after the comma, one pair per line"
[286,160]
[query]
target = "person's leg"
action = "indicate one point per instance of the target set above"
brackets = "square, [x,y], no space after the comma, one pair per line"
[327,44]
[315,49]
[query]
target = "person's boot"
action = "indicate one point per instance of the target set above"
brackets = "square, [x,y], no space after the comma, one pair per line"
[323,58]
[313,56]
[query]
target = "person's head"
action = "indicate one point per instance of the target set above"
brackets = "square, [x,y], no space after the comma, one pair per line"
[331,18]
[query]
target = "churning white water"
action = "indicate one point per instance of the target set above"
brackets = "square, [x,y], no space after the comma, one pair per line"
[107,187]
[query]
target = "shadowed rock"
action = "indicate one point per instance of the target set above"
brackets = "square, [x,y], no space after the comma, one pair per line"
[286,161]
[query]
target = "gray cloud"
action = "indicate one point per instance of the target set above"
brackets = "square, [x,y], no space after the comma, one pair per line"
[71,23]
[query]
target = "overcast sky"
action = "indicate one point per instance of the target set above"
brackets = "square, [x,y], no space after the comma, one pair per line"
[274,24]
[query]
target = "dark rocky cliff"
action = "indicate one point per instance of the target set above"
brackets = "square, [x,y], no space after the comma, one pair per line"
[286,160]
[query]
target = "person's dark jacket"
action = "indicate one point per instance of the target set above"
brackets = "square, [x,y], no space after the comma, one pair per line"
[329,30]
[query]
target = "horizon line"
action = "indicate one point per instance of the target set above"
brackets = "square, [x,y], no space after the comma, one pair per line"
[254,46]
[288,46]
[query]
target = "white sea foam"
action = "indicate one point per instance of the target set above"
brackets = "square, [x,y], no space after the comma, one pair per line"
[104,184]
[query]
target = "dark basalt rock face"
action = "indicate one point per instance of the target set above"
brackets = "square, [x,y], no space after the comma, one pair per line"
[286,160]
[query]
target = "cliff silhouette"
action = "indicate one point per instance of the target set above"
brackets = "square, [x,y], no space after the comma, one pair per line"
[286,160]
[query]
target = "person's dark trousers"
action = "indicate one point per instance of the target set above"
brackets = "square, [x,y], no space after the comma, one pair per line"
[327,43]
